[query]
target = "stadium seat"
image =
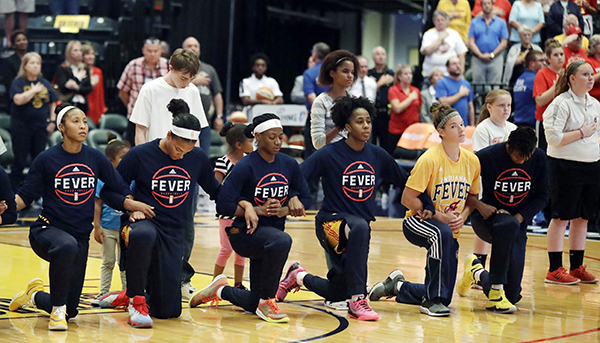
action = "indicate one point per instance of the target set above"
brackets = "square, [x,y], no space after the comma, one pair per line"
[5,121]
[115,122]
[97,138]
[468,143]
[218,147]
[55,138]
[412,144]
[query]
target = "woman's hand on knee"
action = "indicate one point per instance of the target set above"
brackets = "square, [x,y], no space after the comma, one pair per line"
[136,216]
[487,210]
[296,207]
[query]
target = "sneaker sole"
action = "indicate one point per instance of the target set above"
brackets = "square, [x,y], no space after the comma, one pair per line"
[139,325]
[502,311]
[271,320]
[590,282]
[339,308]
[13,303]
[561,283]
[60,327]
[353,316]
[433,314]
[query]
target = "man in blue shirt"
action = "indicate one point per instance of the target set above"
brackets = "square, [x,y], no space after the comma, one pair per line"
[312,90]
[523,90]
[488,36]
[455,91]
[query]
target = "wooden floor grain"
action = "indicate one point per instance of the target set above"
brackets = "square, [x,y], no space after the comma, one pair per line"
[546,313]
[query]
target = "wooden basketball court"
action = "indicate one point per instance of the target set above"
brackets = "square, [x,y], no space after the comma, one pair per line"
[546,313]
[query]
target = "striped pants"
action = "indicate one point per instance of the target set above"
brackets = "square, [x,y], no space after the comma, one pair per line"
[440,271]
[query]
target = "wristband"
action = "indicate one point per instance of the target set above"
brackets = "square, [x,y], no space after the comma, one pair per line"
[581,131]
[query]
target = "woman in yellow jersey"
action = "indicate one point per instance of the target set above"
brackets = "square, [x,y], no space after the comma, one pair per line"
[449,174]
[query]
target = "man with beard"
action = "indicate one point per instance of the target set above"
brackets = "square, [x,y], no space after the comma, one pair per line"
[455,91]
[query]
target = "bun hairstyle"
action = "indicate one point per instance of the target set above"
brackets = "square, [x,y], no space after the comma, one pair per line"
[114,145]
[257,121]
[440,111]
[182,117]
[344,107]
[490,98]
[233,133]
[563,83]
[523,141]
[550,45]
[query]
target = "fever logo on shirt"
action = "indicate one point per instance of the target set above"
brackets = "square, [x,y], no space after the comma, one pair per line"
[512,186]
[358,181]
[171,186]
[75,183]
[272,185]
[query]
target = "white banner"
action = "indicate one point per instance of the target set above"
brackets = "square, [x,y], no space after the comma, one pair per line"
[290,115]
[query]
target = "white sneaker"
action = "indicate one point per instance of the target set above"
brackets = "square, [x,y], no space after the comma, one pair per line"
[337,305]
[186,291]
[96,300]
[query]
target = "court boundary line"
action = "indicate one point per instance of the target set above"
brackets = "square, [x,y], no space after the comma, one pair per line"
[564,336]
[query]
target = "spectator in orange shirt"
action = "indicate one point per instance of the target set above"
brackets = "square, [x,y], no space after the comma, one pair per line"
[594,61]
[573,50]
[501,9]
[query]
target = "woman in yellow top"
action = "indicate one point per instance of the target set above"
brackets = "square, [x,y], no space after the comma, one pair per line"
[449,174]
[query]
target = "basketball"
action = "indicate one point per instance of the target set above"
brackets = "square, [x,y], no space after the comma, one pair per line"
[265,93]
[238,117]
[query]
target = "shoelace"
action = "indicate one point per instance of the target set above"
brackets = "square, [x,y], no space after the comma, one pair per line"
[292,285]
[142,308]
[272,306]
[561,272]
[58,312]
[362,304]
[122,301]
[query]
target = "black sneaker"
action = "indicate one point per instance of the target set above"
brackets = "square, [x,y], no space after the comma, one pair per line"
[387,288]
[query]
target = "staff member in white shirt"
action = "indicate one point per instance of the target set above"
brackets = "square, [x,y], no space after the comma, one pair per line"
[365,86]
[249,87]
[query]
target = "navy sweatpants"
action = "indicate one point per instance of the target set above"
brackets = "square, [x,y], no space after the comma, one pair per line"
[349,273]
[267,248]
[31,141]
[440,271]
[189,234]
[154,257]
[68,259]
[509,239]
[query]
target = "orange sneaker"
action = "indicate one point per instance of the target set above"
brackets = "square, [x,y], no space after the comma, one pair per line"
[583,275]
[560,276]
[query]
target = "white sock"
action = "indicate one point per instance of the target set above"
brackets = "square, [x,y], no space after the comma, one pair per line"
[477,274]
[33,298]
[300,278]
[219,292]
[398,286]
[498,287]
[357,297]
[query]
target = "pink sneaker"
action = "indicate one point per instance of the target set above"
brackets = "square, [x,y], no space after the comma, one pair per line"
[209,293]
[289,281]
[360,309]
[116,299]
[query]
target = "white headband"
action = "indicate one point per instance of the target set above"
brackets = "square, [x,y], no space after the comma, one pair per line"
[62,113]
[185,133]
[264,126]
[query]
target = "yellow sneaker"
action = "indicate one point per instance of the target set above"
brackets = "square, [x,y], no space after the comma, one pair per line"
[472,265]
[58,318]
[23,298]
[498,303]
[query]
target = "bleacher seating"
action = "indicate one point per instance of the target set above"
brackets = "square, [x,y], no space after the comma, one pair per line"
[4,121]
[97,138]
[115,122]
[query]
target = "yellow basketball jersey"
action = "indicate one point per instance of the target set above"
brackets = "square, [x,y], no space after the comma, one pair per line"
[447,183]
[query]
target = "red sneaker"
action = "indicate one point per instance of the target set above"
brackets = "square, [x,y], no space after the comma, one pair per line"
[583,275]
[116,299]
[289,282]
[560,276]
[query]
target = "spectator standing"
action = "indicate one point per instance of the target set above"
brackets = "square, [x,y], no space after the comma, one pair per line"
[559,11]
[428,95]
[487,39]
[515,59]
[385,78]
[502,9]
[11,10]
[594,61]
[73,78]
[570,20]
[440,44]
[365,85]
[524,103]
[589,8]
[137,72]
[570,124]
[11,64]
[97,106]
[574,50]
[297,95]
[311,90]
[209,85]
[530,13]
[58,7]
[543,86]
[406,103]
[455,91]
[459,15]
[251,87]
[32,114]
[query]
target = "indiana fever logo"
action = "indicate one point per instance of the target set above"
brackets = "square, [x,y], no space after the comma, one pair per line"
[171,186]
[512,186]
[358,181]
[272,185]
[449,193]
[75,184]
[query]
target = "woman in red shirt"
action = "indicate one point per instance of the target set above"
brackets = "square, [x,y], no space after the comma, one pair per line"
[594,60]
[405,101]
[96,103]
